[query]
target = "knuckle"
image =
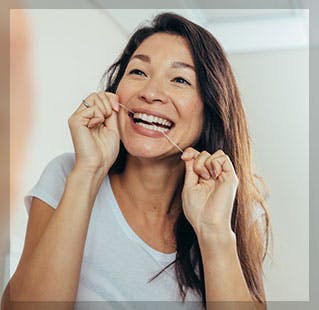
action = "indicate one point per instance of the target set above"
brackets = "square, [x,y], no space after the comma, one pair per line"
[70,119]
[197,166]
[205,153]
[92,95]
[111,96]
[102,97]
[219,152]
[208,161]
[200,168]
[99,97]
[191,152]
[197,155]
[189,149]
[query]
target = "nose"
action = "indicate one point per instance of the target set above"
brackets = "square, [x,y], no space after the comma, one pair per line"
[153,91]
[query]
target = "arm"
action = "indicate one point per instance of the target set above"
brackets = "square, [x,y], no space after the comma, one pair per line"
[225,285]
[208,197]
[50,265]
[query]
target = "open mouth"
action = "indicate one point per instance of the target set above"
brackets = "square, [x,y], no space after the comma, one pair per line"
[151,122]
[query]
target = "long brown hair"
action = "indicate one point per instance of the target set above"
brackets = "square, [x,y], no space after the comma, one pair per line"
[225,128]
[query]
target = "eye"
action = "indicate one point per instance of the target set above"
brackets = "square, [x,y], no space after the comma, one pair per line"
[181,80]
[137,72]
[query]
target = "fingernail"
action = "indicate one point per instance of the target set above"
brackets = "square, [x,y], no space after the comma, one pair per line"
[206,175]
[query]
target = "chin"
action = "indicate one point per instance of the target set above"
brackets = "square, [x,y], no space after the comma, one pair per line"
[143,150]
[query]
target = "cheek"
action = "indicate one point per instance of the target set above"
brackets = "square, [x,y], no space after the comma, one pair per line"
[124,91]
[195,116]
[192,109]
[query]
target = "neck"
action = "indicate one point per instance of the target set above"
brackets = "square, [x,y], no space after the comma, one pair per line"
[152,186]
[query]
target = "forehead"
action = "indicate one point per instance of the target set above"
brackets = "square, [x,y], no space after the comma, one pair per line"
[169,46]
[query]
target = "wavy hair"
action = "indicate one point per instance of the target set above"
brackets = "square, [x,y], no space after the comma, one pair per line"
[224,127]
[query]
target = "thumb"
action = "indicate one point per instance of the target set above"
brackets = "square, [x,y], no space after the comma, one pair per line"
[191,178]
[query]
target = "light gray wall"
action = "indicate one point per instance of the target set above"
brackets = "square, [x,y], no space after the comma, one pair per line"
[274,88]
[70,54]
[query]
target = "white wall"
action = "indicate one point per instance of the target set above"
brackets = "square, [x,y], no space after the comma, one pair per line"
[71,51]
[274,87]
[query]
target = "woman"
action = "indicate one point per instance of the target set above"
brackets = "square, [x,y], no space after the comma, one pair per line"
[130,218]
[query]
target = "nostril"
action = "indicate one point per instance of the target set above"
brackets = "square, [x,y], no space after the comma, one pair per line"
[153,98]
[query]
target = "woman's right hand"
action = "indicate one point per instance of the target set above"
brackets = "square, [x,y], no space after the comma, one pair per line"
[95,133]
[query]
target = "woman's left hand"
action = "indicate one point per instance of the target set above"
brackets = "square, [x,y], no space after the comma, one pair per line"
[209,190]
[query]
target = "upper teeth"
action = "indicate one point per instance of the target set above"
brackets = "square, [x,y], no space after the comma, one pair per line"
[152,119]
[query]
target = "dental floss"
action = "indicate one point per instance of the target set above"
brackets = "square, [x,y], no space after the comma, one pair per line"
[169,139]
[125,107]
[165,135]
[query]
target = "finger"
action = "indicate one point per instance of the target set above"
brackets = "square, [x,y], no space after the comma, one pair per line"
[89,101]
[106,104]
[112,123]
[199,165]
[191,178]
[109,100]
[110,116]
[189,153]
[214,165]
[228,166]
[94,122]
[221,164]
[113,99]
[91,116]
[100,103]
[218,153]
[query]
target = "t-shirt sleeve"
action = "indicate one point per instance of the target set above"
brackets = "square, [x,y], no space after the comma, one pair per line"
[259,222]
[258,215]
[50,186]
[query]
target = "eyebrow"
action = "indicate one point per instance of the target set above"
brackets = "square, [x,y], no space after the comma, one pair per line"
[175,64]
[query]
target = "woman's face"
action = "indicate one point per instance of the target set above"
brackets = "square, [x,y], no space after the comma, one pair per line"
[160,86]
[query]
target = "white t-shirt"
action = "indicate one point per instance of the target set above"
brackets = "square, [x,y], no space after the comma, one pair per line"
[117,263]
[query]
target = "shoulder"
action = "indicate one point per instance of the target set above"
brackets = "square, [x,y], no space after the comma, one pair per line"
[258,211]
[50,185]
[257,215]
[64,160]
[61,164]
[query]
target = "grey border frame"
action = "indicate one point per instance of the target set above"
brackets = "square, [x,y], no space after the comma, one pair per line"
[313,7]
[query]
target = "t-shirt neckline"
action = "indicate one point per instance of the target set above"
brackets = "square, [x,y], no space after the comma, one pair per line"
[159,256]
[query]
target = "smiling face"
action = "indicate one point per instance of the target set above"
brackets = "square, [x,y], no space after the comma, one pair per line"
[160,86]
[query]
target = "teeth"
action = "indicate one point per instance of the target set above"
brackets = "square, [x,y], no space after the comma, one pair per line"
[153,127]
[152,119]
